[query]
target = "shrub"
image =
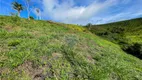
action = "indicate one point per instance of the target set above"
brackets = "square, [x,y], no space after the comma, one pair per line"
[71,40]
[117,30]
[32,18]
[15,19]
[135,49]
[14,43]
[1,24]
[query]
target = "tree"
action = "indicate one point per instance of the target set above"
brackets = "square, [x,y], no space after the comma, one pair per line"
[89,25]
[28,7]
[38,13]
[18,7]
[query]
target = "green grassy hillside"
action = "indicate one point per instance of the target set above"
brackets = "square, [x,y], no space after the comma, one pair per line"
[44,50]
[128,34]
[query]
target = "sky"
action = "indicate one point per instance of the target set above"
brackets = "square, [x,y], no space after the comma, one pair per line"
[79,11]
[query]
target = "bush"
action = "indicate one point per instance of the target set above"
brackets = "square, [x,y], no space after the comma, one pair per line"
[14,43]
[32,18]
[135,49]
[15,19]
[117,30]
[71,40]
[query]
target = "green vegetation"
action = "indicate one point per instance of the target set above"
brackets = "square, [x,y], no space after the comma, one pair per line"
[29,6]
[128,34]
[18,7]
[47,50]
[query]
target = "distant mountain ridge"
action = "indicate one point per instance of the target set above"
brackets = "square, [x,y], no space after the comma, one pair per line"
[123,21]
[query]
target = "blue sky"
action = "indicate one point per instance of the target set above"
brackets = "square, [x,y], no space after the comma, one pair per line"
[80,11]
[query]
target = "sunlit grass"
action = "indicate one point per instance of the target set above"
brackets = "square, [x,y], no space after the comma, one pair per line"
[55,51]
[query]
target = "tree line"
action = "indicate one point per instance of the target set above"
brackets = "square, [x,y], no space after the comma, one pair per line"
[28,6]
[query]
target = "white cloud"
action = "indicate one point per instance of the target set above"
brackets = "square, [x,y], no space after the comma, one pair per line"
[97,12]
[68,12]
[117,17]
[129,12]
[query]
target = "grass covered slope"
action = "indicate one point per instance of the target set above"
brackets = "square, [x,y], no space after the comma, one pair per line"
[128,34]
[53,51]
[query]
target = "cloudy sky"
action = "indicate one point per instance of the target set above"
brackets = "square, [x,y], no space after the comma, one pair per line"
[80,11]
